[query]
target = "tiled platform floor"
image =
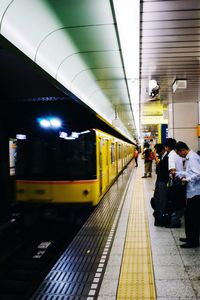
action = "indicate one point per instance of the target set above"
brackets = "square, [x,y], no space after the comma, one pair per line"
[176,270]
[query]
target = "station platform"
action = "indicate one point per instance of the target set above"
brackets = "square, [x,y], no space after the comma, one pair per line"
[120,254]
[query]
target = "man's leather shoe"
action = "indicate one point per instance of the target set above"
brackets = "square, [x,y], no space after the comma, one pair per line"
[189,245]
[184,240]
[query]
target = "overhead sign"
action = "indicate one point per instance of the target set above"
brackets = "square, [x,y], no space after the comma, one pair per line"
[153,120]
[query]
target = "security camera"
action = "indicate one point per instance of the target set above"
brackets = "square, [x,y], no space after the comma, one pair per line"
[153,88]
[154,92]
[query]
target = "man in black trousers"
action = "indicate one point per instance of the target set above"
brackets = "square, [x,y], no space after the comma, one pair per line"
[190,177]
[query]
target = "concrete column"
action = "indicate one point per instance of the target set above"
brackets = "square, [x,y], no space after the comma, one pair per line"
[183,120]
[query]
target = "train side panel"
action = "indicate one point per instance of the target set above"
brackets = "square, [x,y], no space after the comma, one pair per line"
[112,157]
[55,192]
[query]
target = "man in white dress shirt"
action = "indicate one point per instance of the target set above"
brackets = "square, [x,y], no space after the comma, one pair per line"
[191,176]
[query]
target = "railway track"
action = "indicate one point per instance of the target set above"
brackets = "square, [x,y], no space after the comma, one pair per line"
[27,254]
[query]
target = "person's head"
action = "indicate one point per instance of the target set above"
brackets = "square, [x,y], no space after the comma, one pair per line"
[146,145]
[160,149]
[182,149]
[170,144]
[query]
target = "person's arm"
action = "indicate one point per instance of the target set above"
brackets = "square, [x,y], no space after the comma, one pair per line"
[193,174]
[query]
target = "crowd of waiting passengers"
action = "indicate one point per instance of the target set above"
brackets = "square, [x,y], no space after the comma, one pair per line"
[177,187]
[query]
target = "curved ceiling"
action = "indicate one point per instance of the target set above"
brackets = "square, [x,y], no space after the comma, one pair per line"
[76,42]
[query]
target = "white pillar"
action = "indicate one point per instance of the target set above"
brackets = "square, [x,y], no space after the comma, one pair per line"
[183,121]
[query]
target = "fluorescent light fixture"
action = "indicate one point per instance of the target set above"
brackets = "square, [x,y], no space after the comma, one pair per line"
[179,84]
[21,136]
[75,135]
[62,134]
[69,138]
[83,132]
[65,136]
[128,23]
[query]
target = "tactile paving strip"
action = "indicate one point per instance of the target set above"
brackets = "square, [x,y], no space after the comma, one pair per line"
[79,271]
[136,277]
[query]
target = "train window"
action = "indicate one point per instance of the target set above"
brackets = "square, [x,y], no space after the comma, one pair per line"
[32,159]
[45,158]
[21,159]
[112,153]
[119,151]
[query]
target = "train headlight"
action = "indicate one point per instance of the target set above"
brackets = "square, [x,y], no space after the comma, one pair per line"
[55,123]
[44,123]
[50,123]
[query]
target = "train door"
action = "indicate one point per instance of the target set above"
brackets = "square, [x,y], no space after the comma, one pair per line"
[100,167]
[104,164]
[116,158]
[112,167]
[107,163]
[119,158]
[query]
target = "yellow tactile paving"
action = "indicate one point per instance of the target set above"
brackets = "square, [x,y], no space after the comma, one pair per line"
[136,277]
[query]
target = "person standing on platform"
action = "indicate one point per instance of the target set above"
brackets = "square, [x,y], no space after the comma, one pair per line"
[190,177]
[136,153]
[148,158]
[160,193]
[176,192]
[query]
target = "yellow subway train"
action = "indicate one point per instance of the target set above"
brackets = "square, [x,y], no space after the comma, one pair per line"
[52,169]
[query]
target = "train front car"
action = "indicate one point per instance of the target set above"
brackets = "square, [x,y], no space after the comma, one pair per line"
[52,169]
[57,170]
